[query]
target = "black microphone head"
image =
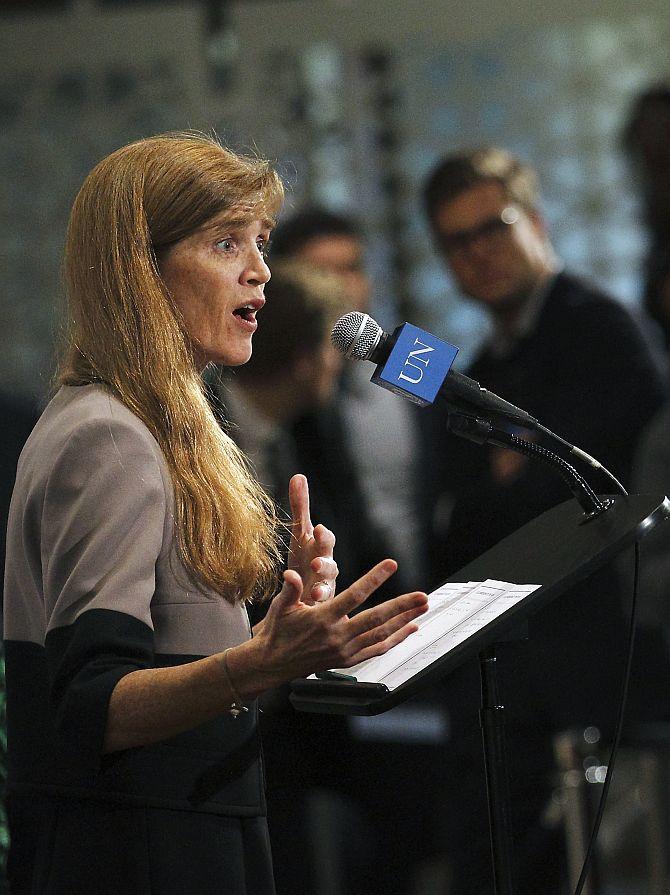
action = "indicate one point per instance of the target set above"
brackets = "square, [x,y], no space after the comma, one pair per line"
[356,335]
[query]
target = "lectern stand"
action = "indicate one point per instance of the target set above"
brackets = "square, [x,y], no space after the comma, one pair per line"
[556,550]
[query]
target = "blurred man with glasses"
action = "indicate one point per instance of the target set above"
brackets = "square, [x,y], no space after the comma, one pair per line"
[574,359]
[561,349]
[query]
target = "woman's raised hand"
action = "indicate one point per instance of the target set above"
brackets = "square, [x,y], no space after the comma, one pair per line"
[307,628]
[311,548]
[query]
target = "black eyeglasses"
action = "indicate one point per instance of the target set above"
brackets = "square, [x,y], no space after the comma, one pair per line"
[489,233]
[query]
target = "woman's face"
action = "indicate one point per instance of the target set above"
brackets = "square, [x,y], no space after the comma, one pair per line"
[217,276]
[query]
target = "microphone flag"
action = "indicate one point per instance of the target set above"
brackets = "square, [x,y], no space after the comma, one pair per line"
[417,364]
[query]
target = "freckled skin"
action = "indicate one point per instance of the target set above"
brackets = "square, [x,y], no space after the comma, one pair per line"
[211,273]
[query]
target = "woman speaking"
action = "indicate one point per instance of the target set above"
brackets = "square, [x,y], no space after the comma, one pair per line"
[137,535]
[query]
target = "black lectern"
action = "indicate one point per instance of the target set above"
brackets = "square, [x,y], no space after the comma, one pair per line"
[556,550]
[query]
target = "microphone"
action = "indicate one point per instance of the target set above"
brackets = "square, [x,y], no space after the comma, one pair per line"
[415,364]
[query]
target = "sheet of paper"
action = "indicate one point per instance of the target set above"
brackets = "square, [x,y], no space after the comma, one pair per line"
[456,611]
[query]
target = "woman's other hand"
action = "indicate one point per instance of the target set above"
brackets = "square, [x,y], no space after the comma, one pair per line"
[297,639]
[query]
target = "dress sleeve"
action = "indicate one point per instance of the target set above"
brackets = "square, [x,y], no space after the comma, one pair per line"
[103,528]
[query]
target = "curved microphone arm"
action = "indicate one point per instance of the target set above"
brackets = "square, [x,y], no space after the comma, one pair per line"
[482,431]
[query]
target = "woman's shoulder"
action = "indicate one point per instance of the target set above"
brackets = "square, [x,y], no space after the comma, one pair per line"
[85,406]
[87,424]
[87,412]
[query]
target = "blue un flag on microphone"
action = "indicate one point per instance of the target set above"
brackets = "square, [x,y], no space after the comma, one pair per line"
[417,365]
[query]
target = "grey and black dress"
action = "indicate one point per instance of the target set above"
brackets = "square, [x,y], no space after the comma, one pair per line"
[95,589]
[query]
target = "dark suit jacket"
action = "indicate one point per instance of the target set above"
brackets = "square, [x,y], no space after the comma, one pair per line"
[586,372]
[338,501]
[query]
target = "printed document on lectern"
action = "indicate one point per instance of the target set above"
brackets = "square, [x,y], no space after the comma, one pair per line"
[456,611]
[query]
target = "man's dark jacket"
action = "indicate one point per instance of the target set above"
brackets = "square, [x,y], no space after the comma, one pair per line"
[587,373]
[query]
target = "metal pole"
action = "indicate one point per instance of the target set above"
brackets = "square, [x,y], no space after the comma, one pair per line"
[492,718]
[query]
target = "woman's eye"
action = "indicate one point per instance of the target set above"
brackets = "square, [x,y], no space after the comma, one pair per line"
[263,246]
[225,244]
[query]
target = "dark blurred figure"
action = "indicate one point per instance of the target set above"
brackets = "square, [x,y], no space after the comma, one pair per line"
[18,419]
[561,349]
[651,667]
[293,375]
[357,803]
[330,241]
[395,764]
[573,358]
[378,429]
[646,140]
[293,370]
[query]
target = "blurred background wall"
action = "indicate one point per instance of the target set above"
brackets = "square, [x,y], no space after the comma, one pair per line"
[354,98]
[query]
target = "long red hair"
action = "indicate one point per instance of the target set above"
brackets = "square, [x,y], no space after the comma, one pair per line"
[126,333]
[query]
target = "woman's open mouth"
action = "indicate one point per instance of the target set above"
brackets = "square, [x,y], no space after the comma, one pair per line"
[246,314]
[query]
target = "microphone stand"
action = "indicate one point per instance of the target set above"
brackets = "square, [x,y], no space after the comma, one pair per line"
[481,431]
[492,712]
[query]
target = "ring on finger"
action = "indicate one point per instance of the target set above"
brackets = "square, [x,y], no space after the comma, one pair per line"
[330,585]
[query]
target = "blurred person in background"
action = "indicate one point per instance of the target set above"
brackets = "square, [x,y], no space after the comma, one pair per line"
[18,418]
[550,352]
[573,358]
[294,371]
[339,784]
[378,431]
[646,140]
[368,439]
[136,538]
[650,699]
